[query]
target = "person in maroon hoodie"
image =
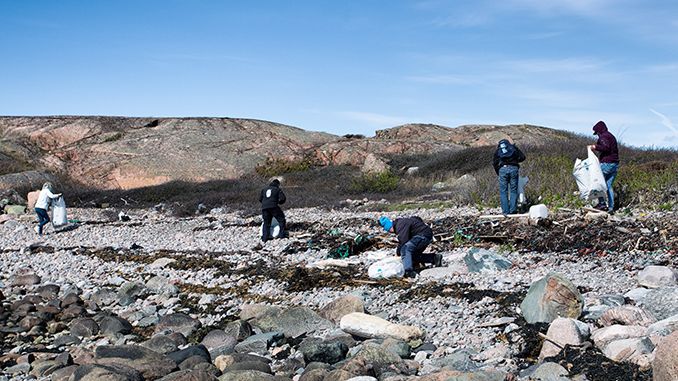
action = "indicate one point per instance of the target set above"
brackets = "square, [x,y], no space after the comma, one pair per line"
[606,146]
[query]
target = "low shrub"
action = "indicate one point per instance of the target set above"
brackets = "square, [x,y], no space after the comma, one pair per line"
[381,182]
[278,166]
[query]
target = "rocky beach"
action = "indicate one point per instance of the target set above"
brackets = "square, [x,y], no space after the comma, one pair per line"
[142,295]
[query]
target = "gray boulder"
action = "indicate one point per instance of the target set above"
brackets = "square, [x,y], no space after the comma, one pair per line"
[319,350]
[293,322]
[662,302]
[84,327]
[165,343]
[101,372]
[150,364]
[129,292]
[259,343]
[379,360]
[218,342]
[246,375]
[189,375]
[178,322]
[550,297]
[481,260]
[194,350]
[240,329]
[114,325]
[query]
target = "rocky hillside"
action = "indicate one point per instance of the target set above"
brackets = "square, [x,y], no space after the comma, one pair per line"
[127,153]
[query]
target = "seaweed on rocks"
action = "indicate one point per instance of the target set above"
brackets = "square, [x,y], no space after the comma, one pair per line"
[571,234]
[597,367]
[507,300]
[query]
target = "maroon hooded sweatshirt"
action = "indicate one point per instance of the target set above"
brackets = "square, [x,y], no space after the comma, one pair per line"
[606,144]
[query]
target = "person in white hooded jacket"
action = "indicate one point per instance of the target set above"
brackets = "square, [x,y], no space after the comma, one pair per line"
[42,205]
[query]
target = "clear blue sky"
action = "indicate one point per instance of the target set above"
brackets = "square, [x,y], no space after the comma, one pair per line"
[350,66]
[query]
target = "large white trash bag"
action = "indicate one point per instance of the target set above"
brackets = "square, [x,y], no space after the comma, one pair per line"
[589,177]
[59,212]
[522,181]
[275,228]
[391,267]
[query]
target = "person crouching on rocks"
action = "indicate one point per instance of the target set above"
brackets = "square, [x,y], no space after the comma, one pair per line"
[271,198]
[413,238]
[42,206]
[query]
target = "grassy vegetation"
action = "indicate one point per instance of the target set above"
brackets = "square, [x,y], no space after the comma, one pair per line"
[382,182]
[276,166]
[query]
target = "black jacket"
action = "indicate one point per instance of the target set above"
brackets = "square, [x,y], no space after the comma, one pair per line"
[406,228]
[271,197]
[517,157]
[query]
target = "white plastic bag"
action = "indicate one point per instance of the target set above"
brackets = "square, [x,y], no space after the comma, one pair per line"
[59,212]
[275,228]
[391,267]
[522,181]
[589,177]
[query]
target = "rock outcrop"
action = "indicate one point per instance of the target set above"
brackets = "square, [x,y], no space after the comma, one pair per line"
[127,153]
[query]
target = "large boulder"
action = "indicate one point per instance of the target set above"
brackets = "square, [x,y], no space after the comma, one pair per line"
[661,302]
[189,375]
[246,375]
[368,326]
[656,276]
[325,351]
[563,331]
[150,364]
[258,343]
[110,372]
[373,357]
[178,322]
[341,306]
[665,364]
[627,315]
[480,260]
[550,297]
[604,336]
[293,322]
[635,350]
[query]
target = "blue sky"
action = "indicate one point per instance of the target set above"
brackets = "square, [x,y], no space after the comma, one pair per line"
[351,66]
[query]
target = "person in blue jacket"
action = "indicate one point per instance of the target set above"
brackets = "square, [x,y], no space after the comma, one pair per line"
[413,238]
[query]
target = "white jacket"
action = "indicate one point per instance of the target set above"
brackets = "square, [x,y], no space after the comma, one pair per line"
[44,199]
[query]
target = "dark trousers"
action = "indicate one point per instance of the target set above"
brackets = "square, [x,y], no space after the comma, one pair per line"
[43,218]
[267,215]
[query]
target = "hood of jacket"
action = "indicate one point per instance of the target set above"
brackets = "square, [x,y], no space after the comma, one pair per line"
[599,127]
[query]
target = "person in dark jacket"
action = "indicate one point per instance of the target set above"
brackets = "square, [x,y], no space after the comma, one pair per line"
[271,198]
[413,238]
[506,164]
[606,146]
